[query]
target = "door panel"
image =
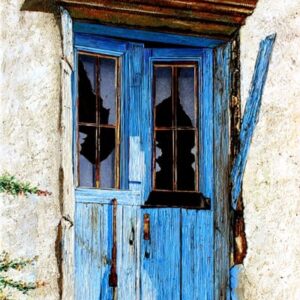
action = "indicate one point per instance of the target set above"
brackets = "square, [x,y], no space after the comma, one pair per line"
[128,252]
[196,256]
[92,251]
[160,269]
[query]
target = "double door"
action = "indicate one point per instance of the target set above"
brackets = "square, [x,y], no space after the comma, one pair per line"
[144,229]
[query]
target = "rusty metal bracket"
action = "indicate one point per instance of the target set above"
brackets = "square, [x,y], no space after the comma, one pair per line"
[146,227]
[113,276]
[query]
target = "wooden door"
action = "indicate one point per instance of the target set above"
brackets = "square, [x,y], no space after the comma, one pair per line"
[108,198]
[177,242]
[139,239]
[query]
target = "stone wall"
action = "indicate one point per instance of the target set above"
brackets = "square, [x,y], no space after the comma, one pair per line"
[272,180]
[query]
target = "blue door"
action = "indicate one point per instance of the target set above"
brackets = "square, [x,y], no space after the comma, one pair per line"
[144,134]
[177,238]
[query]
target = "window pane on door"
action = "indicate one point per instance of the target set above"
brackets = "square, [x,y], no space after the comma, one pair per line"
[163,96]
[108,93]
[175,128]
[186,168]
[107,157]
[87,156]
[186,97]
[87,88]
[164,160]
[98,120]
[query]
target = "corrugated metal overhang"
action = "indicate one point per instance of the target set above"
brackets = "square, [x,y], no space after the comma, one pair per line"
[212,18]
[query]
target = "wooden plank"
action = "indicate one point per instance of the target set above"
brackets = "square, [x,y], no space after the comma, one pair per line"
[124,197]
[206,128]
[222,76]
[91,43]
[214,6]
[213,18]
[153,22]
[66,191]
[197,255]
[161,11]
[146,125]
[67,37]
[160,256]
[128,252]
[251,114]
[136,34]
[92,251]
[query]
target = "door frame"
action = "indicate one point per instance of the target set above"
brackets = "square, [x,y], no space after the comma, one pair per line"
[219,57]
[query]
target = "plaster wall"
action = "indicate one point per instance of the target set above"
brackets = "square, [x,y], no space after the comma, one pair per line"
[30,50]
[33,135]
[271,188]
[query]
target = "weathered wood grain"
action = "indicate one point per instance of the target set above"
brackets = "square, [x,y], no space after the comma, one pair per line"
[197,261]
[160,256]
[222,75]
[211,18]
[67,37]
[142,35]
[92,251]
[65,239]
[251,114]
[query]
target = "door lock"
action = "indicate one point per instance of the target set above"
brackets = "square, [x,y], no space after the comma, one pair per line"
[146,227]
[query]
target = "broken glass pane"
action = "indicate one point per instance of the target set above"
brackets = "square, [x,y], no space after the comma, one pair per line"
[86,88]
[186,97]
[164,160]
[107,157]
[87,156]
[107,99]
[186,160]
[163,96]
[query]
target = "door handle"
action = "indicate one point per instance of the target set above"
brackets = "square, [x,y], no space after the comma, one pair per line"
[147,234]
[146,227]
[113,276]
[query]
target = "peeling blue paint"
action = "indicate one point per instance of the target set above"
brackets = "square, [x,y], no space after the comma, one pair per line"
[234,281]
[251,114]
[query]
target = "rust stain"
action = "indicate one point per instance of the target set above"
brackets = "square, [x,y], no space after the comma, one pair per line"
[113,276]
[59,259]
[240,241]
[238,223]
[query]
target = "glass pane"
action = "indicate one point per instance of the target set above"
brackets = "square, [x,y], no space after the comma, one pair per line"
[87,156]
[186,97]
[186,151]
[86,88]
[164,160]
[107,91]
[163,96]
[107,157]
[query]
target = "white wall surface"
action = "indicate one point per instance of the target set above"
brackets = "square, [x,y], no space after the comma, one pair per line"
[272,179]
[30,147]
[30,51]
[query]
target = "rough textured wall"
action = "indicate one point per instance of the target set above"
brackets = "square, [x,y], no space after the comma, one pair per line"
[272,180]
[29,136]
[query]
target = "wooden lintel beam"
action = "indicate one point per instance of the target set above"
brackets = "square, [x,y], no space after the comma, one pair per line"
[152,22]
